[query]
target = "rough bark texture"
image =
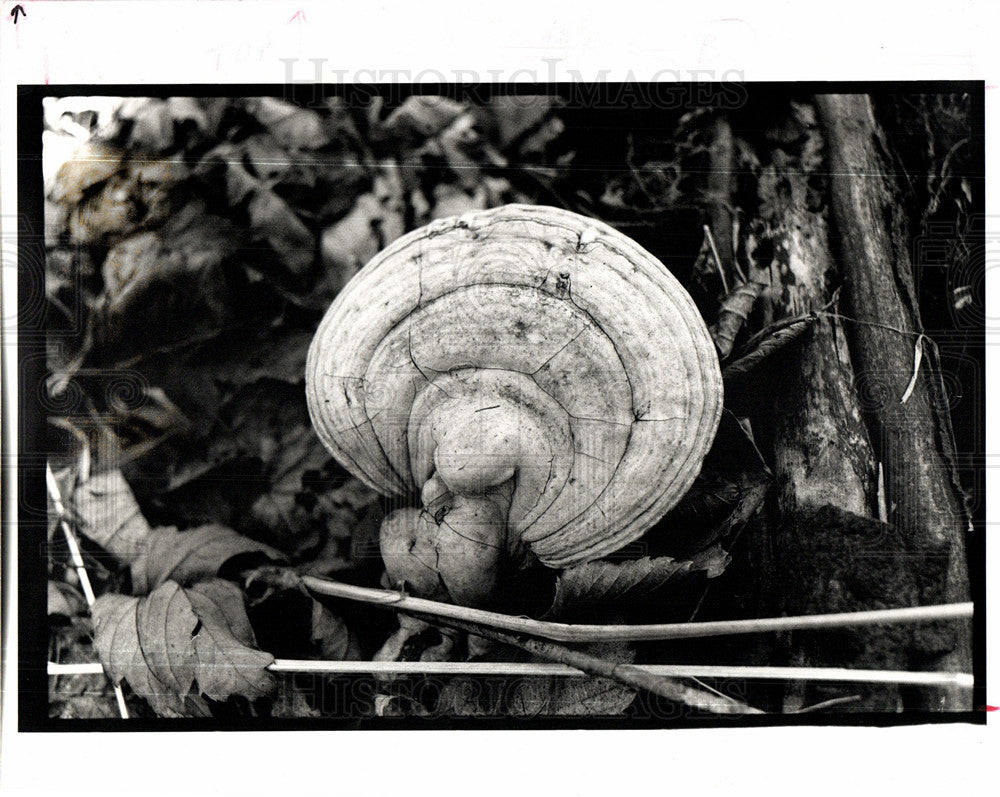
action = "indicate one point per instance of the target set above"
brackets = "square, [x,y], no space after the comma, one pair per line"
[912,439]
[821,538]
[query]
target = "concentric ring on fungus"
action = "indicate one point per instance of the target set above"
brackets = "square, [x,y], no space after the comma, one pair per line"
[597,359]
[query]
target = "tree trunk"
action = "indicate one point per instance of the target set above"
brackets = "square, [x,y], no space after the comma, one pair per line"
[823,462]
[825,547]
[908,421]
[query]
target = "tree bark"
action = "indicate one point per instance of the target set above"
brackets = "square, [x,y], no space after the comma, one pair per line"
[908,423]
[823,461]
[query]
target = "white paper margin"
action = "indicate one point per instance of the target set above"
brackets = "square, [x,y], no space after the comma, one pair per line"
[231,42]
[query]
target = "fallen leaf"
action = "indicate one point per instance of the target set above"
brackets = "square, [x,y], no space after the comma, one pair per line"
[290,701]
[350,243]
[764,344]
[292,126]
[152,124]
[331,636]
[187,109]
[176,644]
[92,164]
[168,286]
[273,220]
[191,555]
[303,129]
[540,138]
[339,181]
[460,144]
[227,663]
[515,115]
[118,643]
[64,599]
[155,182]
[267,157]
[450,200]
[602,582]
[107,215]
[110,516]
[575,696]
[464,697]
[421,116]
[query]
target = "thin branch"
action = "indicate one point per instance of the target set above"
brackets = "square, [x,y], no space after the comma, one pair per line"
[77,558]
[525,669]
[565,632]
[715,256]
[74,548]
[836,701]
[627,674]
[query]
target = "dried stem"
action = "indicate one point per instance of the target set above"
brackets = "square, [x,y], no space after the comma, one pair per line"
[565,632]
[77,558]
[627,674]
[525,669]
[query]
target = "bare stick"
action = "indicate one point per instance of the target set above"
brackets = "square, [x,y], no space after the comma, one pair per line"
[836,701]
[524,669]
[715,256]
[627,674]
[77,558]
[565,632]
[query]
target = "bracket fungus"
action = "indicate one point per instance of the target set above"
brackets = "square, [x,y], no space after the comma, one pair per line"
[542,383]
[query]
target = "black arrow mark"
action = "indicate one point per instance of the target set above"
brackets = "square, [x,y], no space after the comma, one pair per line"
[18,9]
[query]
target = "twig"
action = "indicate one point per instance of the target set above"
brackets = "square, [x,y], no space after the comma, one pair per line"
[735,239]
[715,255]
[74,548]
[627,674]
[77,558]
[565,632]
[836,701]
[485,668]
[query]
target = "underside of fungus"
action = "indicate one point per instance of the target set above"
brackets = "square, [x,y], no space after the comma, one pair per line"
[541,385]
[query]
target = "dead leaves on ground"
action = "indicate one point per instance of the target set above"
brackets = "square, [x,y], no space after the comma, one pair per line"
[178,644]
[183,637]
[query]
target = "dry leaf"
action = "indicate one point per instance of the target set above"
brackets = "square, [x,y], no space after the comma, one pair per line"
[189,556]
[273,220]
[152,124]
[602,582]
[64,599]
[291,702]
[227,663]
[421,116]
[176,644]
[517,114]
[331,636]
[187,109]
[110,515]
[91,164]
[575,696]
[450,200]
[764,344]
[292,126]
[351,242]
